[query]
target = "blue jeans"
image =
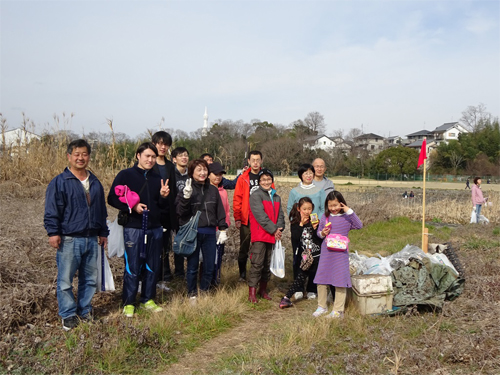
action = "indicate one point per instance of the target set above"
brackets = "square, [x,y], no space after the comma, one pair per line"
[76,254]
[478,212]
[205,244]
[141,269]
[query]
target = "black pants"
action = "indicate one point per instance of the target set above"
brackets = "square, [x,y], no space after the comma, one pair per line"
[165,259]
[299,282]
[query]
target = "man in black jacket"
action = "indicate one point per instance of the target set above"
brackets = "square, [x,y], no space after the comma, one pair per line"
[143,233]
[166,169]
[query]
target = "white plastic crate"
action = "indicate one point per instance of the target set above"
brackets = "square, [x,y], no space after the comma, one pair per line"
[374,303]
[370,284]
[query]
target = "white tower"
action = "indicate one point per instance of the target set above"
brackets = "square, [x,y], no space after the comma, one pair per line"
[204,131]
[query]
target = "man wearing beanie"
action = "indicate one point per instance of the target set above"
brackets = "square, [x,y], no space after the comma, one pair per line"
[267,222]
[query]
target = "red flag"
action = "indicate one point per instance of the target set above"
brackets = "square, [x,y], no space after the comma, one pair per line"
[423,153]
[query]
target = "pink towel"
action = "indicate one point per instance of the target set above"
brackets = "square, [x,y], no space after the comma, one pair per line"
[125,195]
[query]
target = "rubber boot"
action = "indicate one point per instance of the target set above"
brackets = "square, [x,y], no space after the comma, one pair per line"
[262,290]
[243,270]
[251,294]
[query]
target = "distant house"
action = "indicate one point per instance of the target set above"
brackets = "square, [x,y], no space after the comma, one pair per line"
[419,136]
[370,142]
[342,145]
[431,145]
[18,137]
[319,142]
[448,131]
[394,141]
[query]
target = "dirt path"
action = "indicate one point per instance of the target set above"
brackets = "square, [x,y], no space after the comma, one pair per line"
[239,337]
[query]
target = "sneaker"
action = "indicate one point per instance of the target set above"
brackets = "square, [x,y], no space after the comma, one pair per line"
[311,295]
[192,300]
[335,314]
[87,318]
[128,311]
[298,296]
[151,306]
[69,323]
[285,302]
[319,311]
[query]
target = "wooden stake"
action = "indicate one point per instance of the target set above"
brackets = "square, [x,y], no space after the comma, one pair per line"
[425,240]
[424,229]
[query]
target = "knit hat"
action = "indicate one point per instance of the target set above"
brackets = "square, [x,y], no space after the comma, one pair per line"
[265,171]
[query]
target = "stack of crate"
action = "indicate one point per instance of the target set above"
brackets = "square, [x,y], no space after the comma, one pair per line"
[372,294]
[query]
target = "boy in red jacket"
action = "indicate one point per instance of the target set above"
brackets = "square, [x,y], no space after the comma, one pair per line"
[267,222]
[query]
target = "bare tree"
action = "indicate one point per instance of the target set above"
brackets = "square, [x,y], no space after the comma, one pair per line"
[353,133]
[474,117]
[455,159]
[315,121]
[3,129]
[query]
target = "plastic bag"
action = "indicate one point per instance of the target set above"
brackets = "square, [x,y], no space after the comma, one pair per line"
[483,219]
[356,262]
[377,266]
[278,260]
[104,272]
[402,258]
[473,217]
[116,244]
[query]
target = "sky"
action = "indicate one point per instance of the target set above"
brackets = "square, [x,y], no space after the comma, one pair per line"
[392,67]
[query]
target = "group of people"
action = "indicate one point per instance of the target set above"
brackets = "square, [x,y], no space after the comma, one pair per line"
[406,196]
[156,196]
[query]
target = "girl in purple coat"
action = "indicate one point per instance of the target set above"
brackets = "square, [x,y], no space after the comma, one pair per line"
[333,267]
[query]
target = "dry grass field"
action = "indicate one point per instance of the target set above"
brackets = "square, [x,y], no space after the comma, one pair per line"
[225,334]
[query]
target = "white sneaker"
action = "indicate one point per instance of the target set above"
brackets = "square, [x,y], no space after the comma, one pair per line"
[335,315]
[298,296]
[319,311]
[311,295]
[192,300]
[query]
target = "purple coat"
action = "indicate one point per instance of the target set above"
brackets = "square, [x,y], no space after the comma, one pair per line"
[333,267]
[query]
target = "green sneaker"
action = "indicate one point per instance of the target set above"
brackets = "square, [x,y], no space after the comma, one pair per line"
[128,311]
[151,306]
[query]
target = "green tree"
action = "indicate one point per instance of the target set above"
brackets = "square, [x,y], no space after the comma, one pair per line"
[397,160]
[486,140]
[448,156]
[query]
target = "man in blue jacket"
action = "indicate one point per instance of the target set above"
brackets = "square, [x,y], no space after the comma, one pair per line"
[75,220]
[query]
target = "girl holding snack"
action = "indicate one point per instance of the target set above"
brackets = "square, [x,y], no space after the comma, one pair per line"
[333,267]
[304,234]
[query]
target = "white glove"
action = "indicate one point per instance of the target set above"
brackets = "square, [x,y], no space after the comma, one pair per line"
[222,237]
[188,189]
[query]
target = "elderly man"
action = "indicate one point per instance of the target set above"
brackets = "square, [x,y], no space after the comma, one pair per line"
[75,220]
[319,176]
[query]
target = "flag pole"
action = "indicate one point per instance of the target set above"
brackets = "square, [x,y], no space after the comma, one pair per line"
[424,231]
